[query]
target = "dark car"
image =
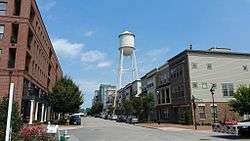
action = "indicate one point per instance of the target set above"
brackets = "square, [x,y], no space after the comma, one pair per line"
[75,120]
[132,120]
[121,118]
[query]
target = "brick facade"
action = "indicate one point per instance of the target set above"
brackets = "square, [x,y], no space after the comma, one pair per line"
[36,66]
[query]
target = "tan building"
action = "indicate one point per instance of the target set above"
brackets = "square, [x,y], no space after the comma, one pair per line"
[192,73]
[27,58]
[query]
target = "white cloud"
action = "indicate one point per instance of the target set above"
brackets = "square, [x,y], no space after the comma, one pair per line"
[90,59]
[66,48]
[88,33]
[104,64]
[92,56]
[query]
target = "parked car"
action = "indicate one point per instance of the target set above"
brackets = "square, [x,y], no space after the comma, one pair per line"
[121,118]
[80,114]
[75,120]
[132,120]
[97,116]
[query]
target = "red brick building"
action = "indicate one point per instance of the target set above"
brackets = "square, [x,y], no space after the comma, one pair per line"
[27,58]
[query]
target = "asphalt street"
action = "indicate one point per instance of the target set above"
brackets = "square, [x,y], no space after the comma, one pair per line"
[95,129]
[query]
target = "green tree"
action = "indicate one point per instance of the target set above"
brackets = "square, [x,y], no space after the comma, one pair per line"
[66,96]
[241,101]
[148,105]
[97,108]
[16,122]
[89,111]
[137,106]
[127,107]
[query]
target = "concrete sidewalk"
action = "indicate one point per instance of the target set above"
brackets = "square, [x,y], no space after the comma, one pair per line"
[70,127]
[175,127]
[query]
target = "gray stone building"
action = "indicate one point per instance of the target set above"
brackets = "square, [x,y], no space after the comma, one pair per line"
[130,90]
[103,95]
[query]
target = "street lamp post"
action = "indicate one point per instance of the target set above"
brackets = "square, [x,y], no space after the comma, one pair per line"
[158,116]
[212,93]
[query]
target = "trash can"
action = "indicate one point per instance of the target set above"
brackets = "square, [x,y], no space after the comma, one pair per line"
[62,137]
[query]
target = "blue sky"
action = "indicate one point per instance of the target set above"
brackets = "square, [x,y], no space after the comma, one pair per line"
[85,32]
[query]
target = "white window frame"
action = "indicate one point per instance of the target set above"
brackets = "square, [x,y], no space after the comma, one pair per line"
[2,27]
[194,65]
[193,85]
[202,112]
[3,11]
[209,66]
[226,87]
[1,52]
[204,85]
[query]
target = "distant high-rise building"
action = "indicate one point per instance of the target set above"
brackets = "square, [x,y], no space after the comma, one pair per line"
[103,93]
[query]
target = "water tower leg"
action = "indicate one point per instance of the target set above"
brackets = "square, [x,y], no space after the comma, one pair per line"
[135,65]
[120,69]
[132,68]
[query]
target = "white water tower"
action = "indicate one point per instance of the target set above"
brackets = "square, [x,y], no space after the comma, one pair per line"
[127,50]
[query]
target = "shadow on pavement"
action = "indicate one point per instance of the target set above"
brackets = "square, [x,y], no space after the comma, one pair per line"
[231,137]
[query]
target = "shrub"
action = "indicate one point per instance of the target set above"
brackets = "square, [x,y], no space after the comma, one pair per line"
[37,133]
[16,122]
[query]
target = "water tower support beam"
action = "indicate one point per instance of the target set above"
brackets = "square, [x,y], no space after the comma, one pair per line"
[135,65]
[120,69]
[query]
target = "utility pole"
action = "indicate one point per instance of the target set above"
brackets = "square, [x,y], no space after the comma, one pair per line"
[212,93]
[11,94]
[194,108]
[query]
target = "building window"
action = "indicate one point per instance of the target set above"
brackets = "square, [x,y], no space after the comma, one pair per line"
[27,62]
[228,89]
[32,14]
[12,58]
[245,68]
[202,112]
[195,85]
[194,66]
[164,113]
[209,66]
[167,95]
[182,90]
[3,8]
[204,85]
[1,52]
[1,31]
[30,38]
[159,97]
[163,100]
[14,36]
[181,114]
[17,7]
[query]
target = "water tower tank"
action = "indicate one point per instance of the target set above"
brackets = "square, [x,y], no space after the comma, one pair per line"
[127,43]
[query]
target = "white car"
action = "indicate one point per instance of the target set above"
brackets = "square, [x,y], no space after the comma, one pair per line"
[114,117]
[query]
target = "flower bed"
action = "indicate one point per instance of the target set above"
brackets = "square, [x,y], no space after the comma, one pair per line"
[35,133]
